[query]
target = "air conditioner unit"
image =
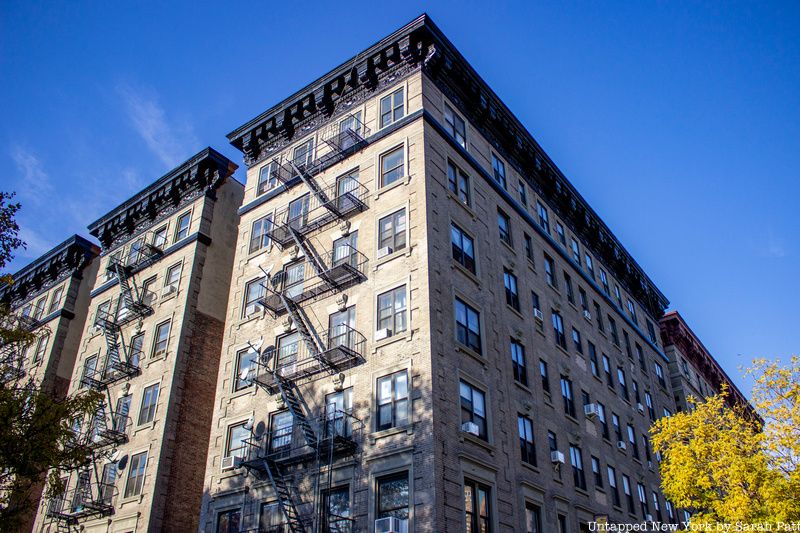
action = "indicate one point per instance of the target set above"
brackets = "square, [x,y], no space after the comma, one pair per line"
[649,464]
[391,525]
[169,289]
[382,334]
[640,407]
[621,445]
[229,463]
[556,457]
[471,427]
[587,315]
[386,250]
[590,410]
[649,518]
[288,369]
[538,315]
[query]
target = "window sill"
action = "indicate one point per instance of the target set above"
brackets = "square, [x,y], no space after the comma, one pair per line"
[131,499]
[571,419]
[399,182]
[510,246]
[515,311]
[532,468]
[165,298]
[403,336]
[464,206]
[523,387]
[563,350]
[547,400]
[531,265]
[582,491]
[573,306]
[376,435]
[247,391]
[472,277]
[469,437]
[389,257]
[250,318]
[145,427]
[156,359]
[472,353]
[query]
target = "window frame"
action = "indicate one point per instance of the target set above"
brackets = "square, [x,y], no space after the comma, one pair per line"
[383,173]
[393,107]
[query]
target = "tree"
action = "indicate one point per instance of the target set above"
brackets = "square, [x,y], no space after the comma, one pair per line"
[715,461]
[36,435]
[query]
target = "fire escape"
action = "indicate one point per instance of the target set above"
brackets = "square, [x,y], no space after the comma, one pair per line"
[283,455]
[12,352]
[92,496]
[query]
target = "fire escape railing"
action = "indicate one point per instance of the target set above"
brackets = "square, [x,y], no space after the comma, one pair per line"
[86,500]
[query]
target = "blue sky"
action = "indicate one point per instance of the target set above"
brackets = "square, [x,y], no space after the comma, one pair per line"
[679,122]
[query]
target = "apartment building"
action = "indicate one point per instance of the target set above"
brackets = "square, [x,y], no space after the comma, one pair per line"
[50,297]
[428,328]
[151,347]
[693,370]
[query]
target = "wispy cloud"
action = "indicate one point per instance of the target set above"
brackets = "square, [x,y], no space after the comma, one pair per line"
[171,143]
[34,185]
[35,244]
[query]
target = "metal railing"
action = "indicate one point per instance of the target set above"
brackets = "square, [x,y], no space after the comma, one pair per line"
[105,434]
[88,500]
[340,269]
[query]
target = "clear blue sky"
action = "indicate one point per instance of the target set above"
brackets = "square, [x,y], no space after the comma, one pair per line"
[679,122]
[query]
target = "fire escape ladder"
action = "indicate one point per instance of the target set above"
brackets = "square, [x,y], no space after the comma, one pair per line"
[111,333]
[295,406]
[304,328]
[128,297]
[316,190]
[285,499]
[311,254]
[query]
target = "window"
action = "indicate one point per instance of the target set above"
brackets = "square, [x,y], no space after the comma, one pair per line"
[549,269]
[392,108]
[626,487]
[477,506]
[618,295]
[613,325]
[576,340]
[558,330]
[562,524]
[518,363]
[136,349]
[660,374]
[512,293]
[338,405]
[598,316]
[640,357]
[617,427]
[583,300]
[229,521]
[135,252]
[133,485]
[576,459]
[259,234]
[160,237]
[303,154]
[455,126]
[632,312]
[345,250]
[651,331]
[473,408]
[173,277]
[604,280]
[562,237]
[297,212]
[147,412]
[89,368]
[526,445]
[458,183]
[528,247]
[636,396]
[576,252]
[607,371]
[107,480]
[280,431]
[601,415]
[245,367]
[253,293]
[523,194]
[589,265]
[468,326]
[544,376]
[147,294]
[623,385]
[271,519]
[646,447]
[161,339]
[499,169]
[392,311]
[535,302]
[110,272]
[392,400]
[566,395]
[237,441]
[656,506]
[533,518]
[642,499]
[504,225]
[267,177]
[593,359]
[55,302]
[392,233]
[612,484]
[392,497]
[337,509]
[627,340]
[544,221]
[463,248]
[568,288]
[182,228]
[392,166]
[552,441]
[632,441]
[648,400]
[41,348]
[38,310]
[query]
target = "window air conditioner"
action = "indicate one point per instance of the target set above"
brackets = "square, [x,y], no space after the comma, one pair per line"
[587,315]
[391,525]
[649,518]
[640,407]
[229,463]
[538,315]
[382,334]
[386,250]
[288,369]
[621,445]
[471,428]
[169,289]
[556,457]
[590,410]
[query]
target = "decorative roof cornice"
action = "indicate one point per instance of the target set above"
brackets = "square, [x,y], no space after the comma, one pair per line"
[64,260]
[676,332]
[421,44]
[200,174]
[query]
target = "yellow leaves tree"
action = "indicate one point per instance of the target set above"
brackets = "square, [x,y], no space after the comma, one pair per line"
[717,462]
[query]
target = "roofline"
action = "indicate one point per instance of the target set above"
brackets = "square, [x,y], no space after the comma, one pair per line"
[83,242]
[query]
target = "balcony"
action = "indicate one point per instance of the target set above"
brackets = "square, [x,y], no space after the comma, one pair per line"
[104,435]
[314,278]
[88,500]
[339,433]
[341,348]
[114,371]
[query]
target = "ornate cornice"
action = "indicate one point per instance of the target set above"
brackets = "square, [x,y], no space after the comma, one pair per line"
[421,45]
[67,259]
[199,175]
[676,332]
